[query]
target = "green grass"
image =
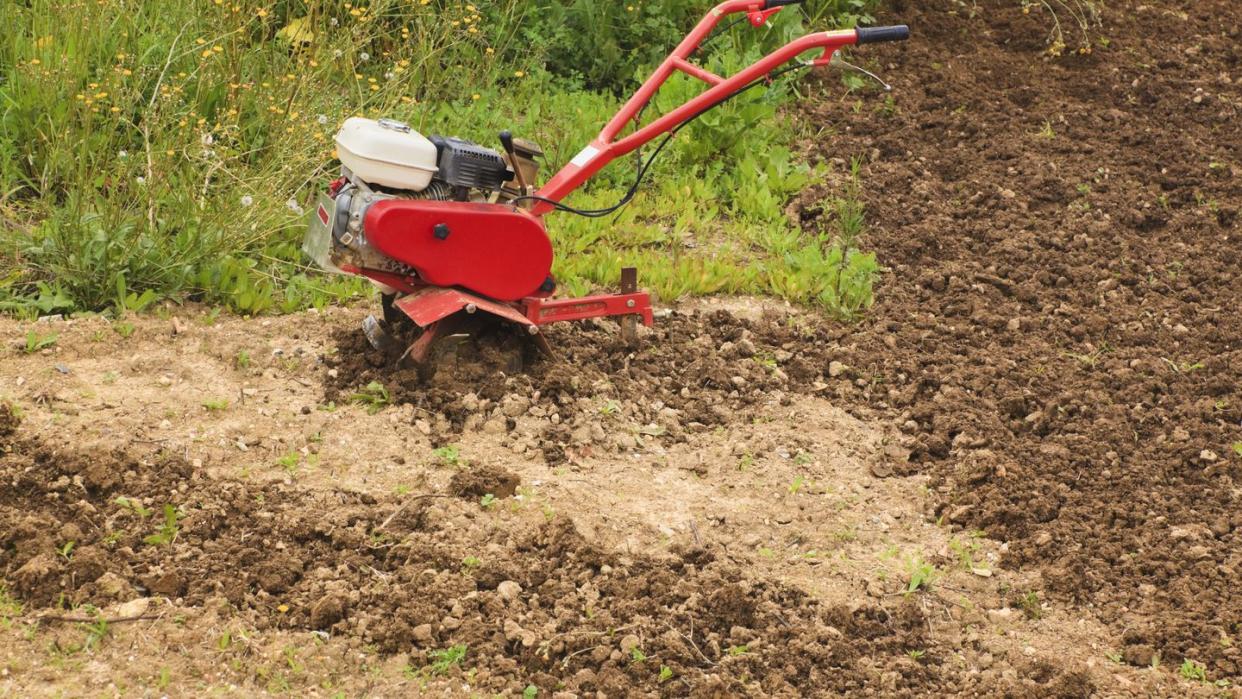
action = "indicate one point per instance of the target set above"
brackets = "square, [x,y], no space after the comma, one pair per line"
[158,150]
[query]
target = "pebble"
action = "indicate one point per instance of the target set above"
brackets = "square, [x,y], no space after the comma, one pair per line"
[509,590]
[134,607]
[1000,616]
[629,643]
[836,368]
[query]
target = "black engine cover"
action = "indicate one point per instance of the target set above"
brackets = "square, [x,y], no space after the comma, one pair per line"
[466,164]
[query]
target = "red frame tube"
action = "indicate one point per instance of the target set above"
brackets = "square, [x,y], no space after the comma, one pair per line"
[606,147]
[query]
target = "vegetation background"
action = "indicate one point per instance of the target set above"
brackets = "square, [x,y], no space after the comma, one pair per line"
[166,150]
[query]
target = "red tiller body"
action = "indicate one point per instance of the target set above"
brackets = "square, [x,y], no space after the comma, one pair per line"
[498,251]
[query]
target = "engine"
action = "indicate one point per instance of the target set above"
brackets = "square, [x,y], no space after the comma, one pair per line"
[386,159]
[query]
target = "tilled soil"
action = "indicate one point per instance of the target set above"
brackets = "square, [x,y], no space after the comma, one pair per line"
[1055,349]
[692,372]
[1060,328]
[533,605]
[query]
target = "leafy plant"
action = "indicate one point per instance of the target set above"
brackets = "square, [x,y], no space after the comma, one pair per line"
[290,461]
[36,342]
[133,506]
[216,404]
[96,631]
[449,454]
[637,655]
[168,530]
[966,549]
[487,501]
[9,607]
[920,575]
[374,396]
[444,660]
[1030,605]
[666,674]
[1193,670]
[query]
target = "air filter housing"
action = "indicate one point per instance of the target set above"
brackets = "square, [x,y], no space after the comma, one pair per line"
[466,164]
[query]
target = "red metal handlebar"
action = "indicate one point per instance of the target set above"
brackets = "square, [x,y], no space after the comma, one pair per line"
[606,148]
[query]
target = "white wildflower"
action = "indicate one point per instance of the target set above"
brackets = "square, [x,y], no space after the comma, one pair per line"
[247,200]
[364,56]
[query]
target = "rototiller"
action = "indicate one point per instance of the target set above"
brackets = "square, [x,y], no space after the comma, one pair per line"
[452,233]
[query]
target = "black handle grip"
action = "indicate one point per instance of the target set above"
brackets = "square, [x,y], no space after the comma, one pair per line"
[506,140]
[770,4]
[874,35]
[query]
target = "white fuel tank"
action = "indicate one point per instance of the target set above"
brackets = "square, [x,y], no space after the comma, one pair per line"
[386,152]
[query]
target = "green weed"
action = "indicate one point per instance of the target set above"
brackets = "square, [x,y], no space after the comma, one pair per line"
[1192,670]
[133,506]
[449,455]
[172,156]
[289,462]
[966,549]
[168,529]
[374,396]
[9,607]
[444,660]
[1030,605]
[36,342]
[920,575]
[216,405]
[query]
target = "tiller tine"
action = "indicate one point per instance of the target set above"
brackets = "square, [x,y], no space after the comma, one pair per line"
[442,313]
[377,335]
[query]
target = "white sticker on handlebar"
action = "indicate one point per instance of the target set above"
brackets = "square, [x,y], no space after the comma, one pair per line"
[585,156]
